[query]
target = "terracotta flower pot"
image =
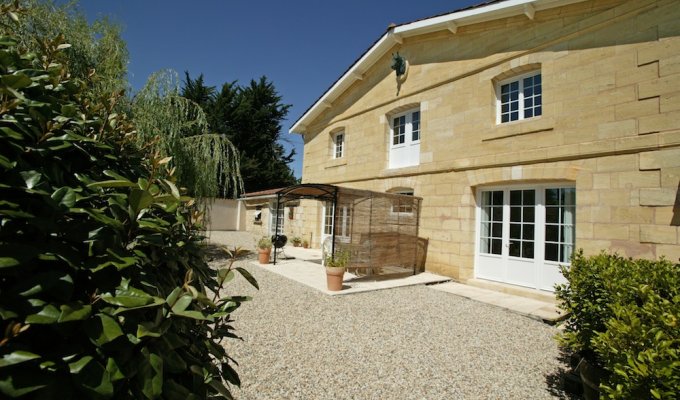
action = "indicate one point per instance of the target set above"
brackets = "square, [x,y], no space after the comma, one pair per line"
[334,277]
[263,255]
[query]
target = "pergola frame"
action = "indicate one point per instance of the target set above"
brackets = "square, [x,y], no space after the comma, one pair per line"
[381,225]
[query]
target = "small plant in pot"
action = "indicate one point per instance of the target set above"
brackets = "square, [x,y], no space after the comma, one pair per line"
[296,241]
[335,269]
[305,244]
[264,249]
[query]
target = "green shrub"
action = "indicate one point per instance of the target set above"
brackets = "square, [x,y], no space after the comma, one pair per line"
[103,280]
[623,316]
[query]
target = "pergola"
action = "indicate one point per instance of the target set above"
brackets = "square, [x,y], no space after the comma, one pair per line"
[379,230]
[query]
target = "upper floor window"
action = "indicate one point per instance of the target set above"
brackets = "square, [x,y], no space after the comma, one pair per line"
[405,139]
[338,145]
[519,98]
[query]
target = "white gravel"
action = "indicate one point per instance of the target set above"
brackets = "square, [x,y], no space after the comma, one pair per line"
[404,343]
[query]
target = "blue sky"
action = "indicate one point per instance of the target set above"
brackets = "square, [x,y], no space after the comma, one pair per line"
[302,46]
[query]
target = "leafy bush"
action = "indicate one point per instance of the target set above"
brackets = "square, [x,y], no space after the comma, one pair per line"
[624,316]
[264,243]
[103,280]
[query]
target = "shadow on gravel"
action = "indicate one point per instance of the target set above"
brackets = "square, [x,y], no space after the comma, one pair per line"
[561,383]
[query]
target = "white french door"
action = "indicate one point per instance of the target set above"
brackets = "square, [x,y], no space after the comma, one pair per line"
[344,220]
[524,234]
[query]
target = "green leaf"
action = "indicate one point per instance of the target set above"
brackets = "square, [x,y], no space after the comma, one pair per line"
[17,357]
[115,175]
[31,178]
[219,387]
[151,374]
[76,366]
[11,133]
[173,296]
[248,277]
[65,197]
[129,297]
[182,303]
[17,80]
[114,370]
[139,200]
[230,375]
[16,385]
[104,329]
[47,315]
[93,377]
[224,275]
[197,315]
[74,312]
[112,183]
[173,188]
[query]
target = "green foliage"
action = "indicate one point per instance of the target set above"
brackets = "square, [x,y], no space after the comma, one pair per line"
[338,260]
[624,316]
[250,116]
[93,47]
[207,164]
[264,243]
[105,288]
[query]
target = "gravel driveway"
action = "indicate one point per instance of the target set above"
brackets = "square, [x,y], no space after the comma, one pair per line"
[404,343]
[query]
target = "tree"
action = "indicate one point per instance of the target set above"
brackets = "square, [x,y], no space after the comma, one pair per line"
[96,51]
[103,275]
[207,163]
[251,118]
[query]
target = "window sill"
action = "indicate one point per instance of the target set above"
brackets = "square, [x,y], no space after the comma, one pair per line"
[336,162]
[518,128]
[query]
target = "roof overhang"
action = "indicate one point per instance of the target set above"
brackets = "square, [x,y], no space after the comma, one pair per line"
[395,35]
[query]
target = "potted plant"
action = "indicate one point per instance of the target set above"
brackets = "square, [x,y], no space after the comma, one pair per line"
[305,244]
[335,269]
[264,248]
[296,241]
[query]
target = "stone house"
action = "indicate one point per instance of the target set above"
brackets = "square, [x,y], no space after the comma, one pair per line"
[530,128]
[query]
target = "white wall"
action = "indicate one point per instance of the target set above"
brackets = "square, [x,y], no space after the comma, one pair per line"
[226,215]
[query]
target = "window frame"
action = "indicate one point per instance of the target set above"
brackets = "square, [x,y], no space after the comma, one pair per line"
[338,151]
[405,127]
[521,97]
[401,209]
[272,219]
[408,127]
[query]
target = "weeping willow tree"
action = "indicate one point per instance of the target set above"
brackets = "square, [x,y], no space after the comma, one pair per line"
[207,164]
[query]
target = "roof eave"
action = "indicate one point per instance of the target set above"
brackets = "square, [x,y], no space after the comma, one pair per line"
[451,22]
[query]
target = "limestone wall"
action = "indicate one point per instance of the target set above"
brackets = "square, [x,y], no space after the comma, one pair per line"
[610,125]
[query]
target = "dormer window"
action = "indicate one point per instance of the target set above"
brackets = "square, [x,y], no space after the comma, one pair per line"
[519,97]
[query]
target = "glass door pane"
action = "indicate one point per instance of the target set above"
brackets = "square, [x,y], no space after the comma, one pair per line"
[522,223]
[491,232]
[560,209]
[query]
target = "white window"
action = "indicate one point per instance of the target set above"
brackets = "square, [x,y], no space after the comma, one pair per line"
[400,206]
[519,98]
[405,139]
[273,217]
[344,230]
[338,144]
